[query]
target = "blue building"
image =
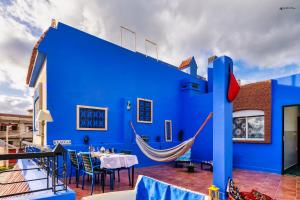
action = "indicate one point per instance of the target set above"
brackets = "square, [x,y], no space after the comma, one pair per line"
[73,73]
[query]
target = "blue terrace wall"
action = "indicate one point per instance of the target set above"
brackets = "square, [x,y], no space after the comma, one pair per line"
[287,92]
[268,157]
[196,109]
[85,70]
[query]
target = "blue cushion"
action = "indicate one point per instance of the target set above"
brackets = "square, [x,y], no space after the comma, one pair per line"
[151,189]
[185,157]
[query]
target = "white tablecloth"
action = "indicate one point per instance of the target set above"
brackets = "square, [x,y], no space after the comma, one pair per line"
[113,161]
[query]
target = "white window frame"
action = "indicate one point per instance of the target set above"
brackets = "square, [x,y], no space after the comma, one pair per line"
[35,113]
[246,114]
[91,129]
[138,111]
[171,131]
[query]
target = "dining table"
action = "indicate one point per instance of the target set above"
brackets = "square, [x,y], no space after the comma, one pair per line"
[117,161]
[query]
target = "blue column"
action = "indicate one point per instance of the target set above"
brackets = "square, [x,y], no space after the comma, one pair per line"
[222,125]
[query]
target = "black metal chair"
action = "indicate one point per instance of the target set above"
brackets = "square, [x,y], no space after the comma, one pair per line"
[94,170]
[75,164]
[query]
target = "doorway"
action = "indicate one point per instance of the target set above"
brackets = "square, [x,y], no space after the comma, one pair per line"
[291,140]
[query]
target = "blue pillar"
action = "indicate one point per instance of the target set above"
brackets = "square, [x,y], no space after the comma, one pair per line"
[222,125]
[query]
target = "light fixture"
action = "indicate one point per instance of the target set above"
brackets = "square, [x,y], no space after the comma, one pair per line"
[43,117]
[128,105]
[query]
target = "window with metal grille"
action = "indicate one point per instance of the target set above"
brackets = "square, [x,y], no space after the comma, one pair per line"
[144,110]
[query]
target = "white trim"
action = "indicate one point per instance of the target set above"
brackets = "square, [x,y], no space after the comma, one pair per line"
[259,114]
[248,139]
[138,110]
[171,131]
[247,113]
[91,129]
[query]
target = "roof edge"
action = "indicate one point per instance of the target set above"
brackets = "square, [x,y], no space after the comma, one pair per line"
[33,57]
[185,63]
[35,52]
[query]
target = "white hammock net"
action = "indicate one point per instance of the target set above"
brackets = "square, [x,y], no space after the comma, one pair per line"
[167,155]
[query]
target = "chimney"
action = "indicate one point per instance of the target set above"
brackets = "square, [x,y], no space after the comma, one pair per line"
[53,23]
[210,69]
[211,59]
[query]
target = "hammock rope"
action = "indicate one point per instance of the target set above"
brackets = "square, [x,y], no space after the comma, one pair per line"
[170,154]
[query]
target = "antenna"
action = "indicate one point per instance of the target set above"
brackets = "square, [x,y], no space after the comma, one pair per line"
[130,31]
[154,44]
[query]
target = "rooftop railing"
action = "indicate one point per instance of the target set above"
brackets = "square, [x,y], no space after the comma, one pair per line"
[53,162]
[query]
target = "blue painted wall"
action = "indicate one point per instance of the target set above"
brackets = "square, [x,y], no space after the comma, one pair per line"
[195,111]
[268,157]
[85,70]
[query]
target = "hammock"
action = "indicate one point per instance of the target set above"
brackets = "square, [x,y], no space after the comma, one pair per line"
[167,155]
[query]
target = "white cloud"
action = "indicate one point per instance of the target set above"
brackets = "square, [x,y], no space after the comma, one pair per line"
[12,104]
[256,32]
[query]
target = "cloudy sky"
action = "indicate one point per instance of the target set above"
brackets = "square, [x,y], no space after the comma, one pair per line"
[263,40]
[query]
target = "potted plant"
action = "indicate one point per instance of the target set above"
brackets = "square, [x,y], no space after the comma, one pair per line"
[157,139]
[86,139]
[191,167]
[180,136]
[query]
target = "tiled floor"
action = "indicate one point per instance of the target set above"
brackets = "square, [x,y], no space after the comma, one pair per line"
[276,186]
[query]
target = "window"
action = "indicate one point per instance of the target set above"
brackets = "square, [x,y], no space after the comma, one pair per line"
[11,142]
[29,128]
[2,128]
[91,118]
[168,130]
[195,85]
[14,127]
[249,125]
[36,111]
[144,110]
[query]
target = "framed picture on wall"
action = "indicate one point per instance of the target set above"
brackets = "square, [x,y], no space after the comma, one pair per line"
[144,110]
[91,118]
[168,130]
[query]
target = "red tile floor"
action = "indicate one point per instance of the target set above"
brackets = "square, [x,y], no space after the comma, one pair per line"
[277,186]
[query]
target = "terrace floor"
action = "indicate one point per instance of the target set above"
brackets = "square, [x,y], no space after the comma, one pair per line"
[277,186]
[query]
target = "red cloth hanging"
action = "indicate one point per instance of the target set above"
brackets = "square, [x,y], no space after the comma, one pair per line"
[233,87]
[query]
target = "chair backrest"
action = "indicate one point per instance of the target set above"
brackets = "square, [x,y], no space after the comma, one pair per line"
[87,162]
[128,152]
[186,156]
[73,158]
